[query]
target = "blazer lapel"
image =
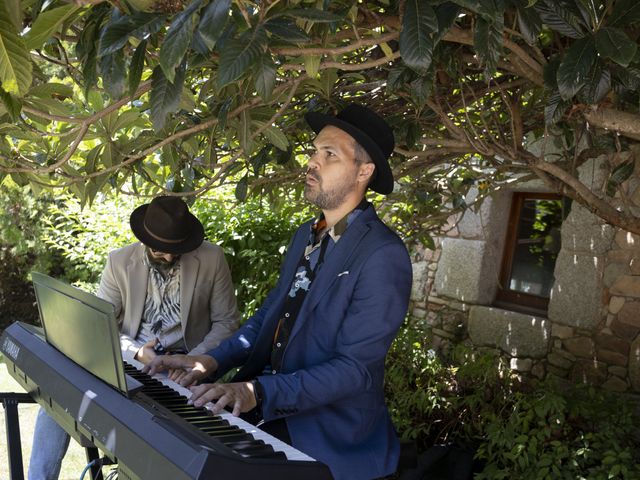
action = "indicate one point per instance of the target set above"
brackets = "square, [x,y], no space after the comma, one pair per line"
[137,274]
[189,265]
[335,264]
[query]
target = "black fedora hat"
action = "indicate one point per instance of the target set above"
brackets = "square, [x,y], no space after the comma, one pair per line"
[371,131]
[166,225]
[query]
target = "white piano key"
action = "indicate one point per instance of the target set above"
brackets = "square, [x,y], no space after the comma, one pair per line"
[130,348]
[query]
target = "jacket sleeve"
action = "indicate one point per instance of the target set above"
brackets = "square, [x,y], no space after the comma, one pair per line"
[108,288]
[224,315]
[377,307]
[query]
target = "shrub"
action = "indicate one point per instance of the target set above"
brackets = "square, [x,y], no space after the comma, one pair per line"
[254,237]
[528,432]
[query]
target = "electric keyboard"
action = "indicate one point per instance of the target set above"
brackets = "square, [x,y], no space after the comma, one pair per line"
[154,434]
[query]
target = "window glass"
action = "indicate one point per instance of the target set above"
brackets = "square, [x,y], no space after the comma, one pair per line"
[536,247]
[530,252]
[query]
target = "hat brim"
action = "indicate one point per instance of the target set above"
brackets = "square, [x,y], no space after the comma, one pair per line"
[383,180]
[193,240]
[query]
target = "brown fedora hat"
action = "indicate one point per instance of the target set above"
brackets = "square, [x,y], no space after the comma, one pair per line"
[166,225]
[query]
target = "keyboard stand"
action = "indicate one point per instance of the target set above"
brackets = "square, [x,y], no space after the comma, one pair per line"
[10,402]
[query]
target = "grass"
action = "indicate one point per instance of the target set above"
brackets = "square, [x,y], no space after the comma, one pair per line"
[75,460]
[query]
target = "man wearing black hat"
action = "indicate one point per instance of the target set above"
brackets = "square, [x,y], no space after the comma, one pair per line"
[313,355]
[171,291]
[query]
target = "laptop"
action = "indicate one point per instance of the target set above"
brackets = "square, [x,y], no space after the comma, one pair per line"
[83,327]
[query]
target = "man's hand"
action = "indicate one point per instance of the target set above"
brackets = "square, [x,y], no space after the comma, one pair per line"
[238,395]
[184,369]
[146,353]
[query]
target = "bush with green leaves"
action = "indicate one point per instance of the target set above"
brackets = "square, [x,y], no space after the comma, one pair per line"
[83,236]
[254,237]
[529,432]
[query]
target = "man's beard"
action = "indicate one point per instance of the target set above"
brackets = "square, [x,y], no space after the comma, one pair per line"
[161,263]
[328,199]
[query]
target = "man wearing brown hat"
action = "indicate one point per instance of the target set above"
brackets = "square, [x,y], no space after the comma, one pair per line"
[312,356]
[171,292]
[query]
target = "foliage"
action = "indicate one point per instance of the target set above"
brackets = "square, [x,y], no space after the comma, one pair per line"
[59,237]
[84,237]
[186,95]
[254,238]
[540,432]
[20,252]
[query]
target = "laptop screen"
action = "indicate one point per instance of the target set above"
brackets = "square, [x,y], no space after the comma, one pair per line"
[81,326]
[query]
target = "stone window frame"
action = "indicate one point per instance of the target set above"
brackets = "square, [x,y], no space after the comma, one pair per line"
[511,299]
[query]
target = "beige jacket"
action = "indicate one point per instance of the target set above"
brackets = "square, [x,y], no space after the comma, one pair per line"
[207,299]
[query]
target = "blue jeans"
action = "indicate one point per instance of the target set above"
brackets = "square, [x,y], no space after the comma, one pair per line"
[49,446]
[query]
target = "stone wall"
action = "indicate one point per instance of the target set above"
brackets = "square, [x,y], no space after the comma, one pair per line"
[592,329]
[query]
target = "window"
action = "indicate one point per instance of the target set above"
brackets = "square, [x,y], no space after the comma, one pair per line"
[531,249]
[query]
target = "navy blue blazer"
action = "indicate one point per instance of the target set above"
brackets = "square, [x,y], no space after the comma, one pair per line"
[330,388]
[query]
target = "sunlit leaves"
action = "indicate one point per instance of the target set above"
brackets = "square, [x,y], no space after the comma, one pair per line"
[48,23]
[416,42]
[15,63]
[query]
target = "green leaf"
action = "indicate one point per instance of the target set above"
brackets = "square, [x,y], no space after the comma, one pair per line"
[597,86]
[113,72]
[13,10]
[313,15]
[212,21]
[560,19]
[574,69]
[276,138]
[487,40]
[136,67]
[244,132]
[47,24]
[529,23]
[242,188]
[165,95]
[12,104]
[625,12]
[223,112]
[51,89]
[312,65]
[416,42]
[286,30]
[178,39]
[619,174]
[238,55]
[555,108]
[615,44]
[116,34]
[265,77]
[15,62]
[446,14]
